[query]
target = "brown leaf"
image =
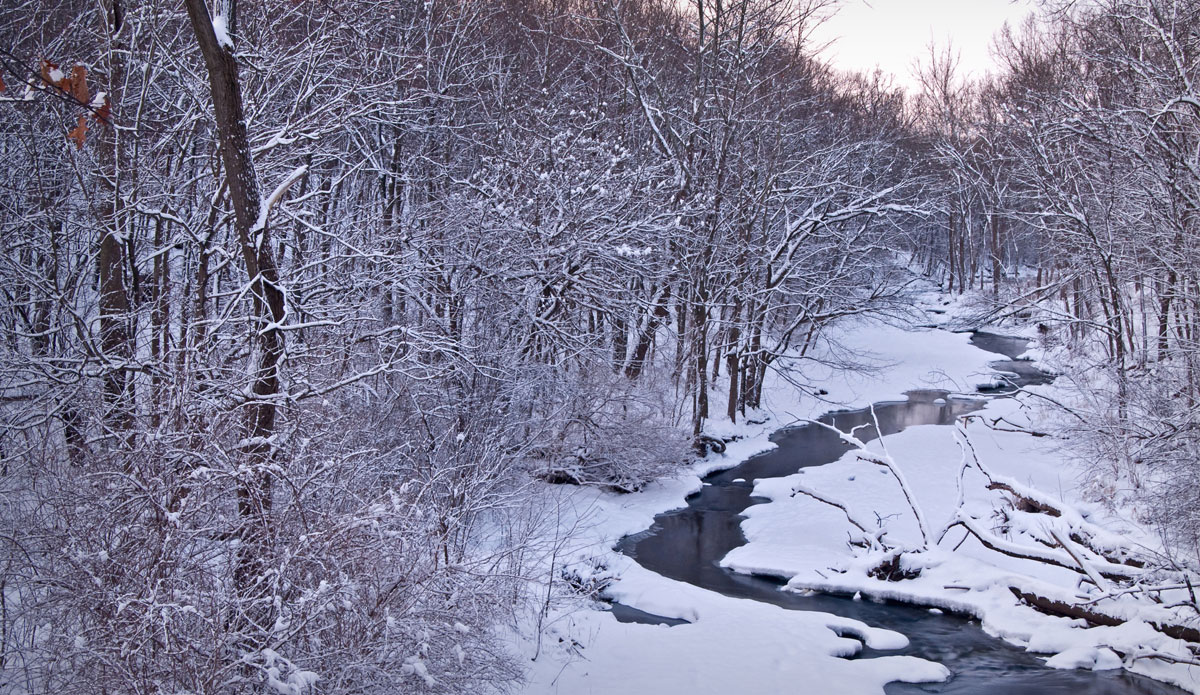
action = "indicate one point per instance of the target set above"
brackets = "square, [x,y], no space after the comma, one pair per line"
[79,133]
[2,85]
[76,84]
[47,66]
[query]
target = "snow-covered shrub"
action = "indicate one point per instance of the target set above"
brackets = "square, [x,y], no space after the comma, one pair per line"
[589,579]
[381,566]
[605,430]
[1136,436]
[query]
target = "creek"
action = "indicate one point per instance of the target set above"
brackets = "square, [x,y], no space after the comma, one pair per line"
[688,544]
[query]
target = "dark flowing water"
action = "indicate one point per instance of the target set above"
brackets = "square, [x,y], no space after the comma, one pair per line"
[688,544]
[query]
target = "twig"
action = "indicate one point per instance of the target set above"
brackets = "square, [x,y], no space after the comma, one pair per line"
[808,492]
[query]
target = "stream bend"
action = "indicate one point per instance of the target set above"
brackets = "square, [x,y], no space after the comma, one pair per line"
[688,544]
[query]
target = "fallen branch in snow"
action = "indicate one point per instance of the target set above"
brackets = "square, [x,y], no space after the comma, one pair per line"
[892,570]
[1032,501]
[994,424]
[1079,559]
[1025,504]
[1077,531]
[1095,617]
[1168,659]
[1129,561]
[808,492]
[1064,609]
[1049,557]
[887,462]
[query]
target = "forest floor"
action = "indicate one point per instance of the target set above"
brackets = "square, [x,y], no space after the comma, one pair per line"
[1036,498]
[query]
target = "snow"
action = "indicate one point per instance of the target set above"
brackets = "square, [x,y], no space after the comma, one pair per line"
[973,579]
[773,649]
[630,252]
[221,29]
[804,541]
[416,667]
[272,200]
[283,677]
[1085,657]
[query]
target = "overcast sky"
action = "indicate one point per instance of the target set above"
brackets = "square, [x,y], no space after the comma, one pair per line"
[892,34]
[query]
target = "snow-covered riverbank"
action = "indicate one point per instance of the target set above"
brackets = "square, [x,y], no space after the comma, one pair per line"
[734,645]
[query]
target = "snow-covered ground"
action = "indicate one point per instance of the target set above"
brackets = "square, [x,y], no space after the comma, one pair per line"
[734,645]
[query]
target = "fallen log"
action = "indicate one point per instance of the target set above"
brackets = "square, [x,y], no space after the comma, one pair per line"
[1095,617]
[1024,503]
[1112,572]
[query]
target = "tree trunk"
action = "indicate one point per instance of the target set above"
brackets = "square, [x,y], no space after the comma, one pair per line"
[731,360]
[700,348]
[950,250]
[254,486]
[620,342]
[1165,294]
[645,340]
[116,342]
[997,253]
[159,325]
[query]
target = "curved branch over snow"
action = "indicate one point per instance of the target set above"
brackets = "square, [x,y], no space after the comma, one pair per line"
[887,462]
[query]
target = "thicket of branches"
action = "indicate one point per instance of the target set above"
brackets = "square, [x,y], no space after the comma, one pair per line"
[298,297]
[1070,187]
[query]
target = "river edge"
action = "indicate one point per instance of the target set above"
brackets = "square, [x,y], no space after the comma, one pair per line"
[605,656]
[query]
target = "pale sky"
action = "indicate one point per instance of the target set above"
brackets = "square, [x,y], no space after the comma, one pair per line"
[893,34]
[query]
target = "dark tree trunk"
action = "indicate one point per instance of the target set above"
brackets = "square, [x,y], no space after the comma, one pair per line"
[731,361]
[645,340]
[700,348]
[950,241]
[254,486]
[997,254]
[115,339]
[620,342]
[1165,294]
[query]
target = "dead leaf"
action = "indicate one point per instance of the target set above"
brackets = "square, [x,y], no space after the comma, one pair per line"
[76,84]
[79,133]
[2,85]
[47,68]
